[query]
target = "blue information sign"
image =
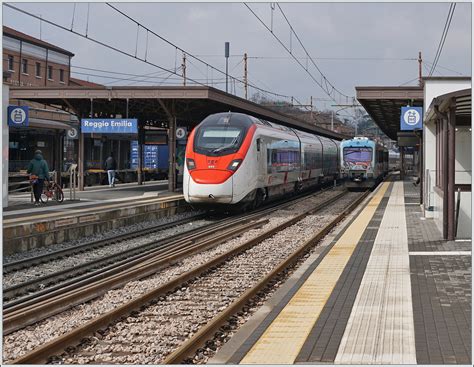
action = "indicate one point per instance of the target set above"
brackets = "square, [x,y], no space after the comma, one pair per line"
[109,126]
[154,156]
[18,116]
[411,118]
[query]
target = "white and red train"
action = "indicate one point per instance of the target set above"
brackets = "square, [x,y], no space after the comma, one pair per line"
[234,159]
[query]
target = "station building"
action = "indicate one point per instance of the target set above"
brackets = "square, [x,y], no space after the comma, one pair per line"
[31,62]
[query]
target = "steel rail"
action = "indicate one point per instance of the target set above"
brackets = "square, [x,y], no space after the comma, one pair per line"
[91,245]
[117,261]
[42,353]
[190,346]
[21,317]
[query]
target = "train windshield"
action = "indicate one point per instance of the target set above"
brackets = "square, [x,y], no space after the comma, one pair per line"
[358,155]
[221,134]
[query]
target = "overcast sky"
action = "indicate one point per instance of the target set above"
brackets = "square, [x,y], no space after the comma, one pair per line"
[333,33]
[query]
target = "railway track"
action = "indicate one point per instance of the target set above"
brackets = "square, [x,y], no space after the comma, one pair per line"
[102,269]
[42,353]
[90,245]
[44,285]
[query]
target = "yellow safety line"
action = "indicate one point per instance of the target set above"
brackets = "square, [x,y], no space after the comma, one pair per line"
[73,212]
[284,338]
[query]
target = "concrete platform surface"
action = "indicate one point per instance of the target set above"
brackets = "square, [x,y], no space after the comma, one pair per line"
[386,290]
[21,202]
[100,209]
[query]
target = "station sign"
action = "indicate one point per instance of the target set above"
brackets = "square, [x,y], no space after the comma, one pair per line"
[72,133]
[181,133]
[411,118]
[109,126]
[18,116]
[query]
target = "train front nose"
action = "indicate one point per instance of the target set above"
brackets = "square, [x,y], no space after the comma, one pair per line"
[209,187]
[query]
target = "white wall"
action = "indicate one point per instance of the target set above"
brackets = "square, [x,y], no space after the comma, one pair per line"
[463,168]
[465,216]
[5,98]
[433,89]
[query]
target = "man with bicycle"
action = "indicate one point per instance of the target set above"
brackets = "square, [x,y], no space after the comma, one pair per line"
[39,172]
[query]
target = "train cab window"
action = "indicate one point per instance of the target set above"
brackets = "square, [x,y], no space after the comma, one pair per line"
[221,134]
[361,154]
[259,142]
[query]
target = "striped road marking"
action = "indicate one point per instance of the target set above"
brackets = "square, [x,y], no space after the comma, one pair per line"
[381,329]
[282,341]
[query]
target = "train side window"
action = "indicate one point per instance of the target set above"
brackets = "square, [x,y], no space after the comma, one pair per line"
[258,144]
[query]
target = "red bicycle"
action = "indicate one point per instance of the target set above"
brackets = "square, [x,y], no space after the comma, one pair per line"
[52,191]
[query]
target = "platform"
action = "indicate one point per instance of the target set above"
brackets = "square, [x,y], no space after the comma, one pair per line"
[386,290]
[98,209]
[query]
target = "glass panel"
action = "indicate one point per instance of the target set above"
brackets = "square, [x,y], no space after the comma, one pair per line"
[357,155]
[221,134]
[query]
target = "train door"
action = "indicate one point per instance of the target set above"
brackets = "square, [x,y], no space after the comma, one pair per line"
[261,154]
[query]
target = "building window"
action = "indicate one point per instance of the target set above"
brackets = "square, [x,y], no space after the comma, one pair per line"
[50,72]
[24,66]
[11,66]
[61,75]
[38,70]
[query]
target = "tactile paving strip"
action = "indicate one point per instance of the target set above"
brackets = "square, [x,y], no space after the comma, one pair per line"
[324,340]
[283,339]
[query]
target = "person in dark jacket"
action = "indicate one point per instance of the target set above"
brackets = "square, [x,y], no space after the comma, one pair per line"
[110,166]
[39,172]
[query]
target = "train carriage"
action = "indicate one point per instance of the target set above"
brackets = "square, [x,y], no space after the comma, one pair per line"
[364,163]
[236,159]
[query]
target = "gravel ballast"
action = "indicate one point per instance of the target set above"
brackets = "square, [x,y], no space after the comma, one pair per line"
[195,308]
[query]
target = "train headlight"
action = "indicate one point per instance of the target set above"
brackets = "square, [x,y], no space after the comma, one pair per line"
[234,165]
[190,163]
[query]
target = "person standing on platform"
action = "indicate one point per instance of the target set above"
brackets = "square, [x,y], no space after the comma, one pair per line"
[110,166]
[39,171]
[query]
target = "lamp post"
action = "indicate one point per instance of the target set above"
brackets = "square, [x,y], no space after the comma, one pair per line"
[227,48]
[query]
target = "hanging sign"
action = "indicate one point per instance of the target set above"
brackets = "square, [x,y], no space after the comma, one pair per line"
[109,126]
[411,118]
[181,133]
[18,116]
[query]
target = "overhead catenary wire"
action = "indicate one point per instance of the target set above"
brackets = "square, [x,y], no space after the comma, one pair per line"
[73,15]
[202,61]
[408,82]
[187,53]
[443,67]
[134,81]
[447,25]
[307,53]
[351,58]
[294,57]
[149,78]
[118,50]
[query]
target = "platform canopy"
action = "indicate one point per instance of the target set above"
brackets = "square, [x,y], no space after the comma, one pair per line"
[384,105]
[460,100]
[154,104]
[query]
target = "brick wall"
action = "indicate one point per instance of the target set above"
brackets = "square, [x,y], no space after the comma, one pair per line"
[18,78]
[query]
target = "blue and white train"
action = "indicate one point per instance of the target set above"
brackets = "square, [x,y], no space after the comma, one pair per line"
[364,163]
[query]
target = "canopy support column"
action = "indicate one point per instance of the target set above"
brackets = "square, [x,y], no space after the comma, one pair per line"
[170,113]
[80,157]
[451,150]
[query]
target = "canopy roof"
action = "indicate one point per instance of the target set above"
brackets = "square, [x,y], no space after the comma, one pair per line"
[384,105]
[151,104]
